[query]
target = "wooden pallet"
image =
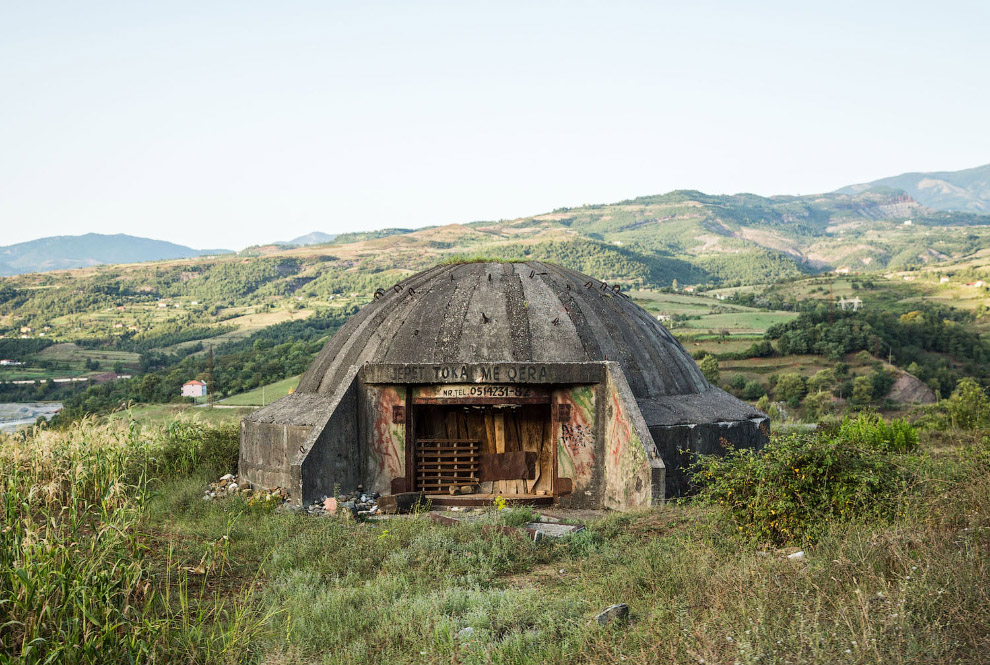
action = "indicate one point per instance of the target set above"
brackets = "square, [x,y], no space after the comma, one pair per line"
[442,463]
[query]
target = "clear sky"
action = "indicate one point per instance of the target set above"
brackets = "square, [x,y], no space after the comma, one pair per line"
[226,124]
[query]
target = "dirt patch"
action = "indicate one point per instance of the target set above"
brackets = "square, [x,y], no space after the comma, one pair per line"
[908,389]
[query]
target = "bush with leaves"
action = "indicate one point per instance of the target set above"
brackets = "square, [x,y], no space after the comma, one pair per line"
[799,484]
[791,388]
[871,431]
[967,408]
[709,367]
[753,390]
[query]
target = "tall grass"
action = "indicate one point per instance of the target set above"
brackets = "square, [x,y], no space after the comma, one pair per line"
[74,583]
[102,523]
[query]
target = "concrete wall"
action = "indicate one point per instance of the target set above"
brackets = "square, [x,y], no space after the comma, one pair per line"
[679,445]
[383,441]
[331,453]
[578,444]
[264,456]
[634,471]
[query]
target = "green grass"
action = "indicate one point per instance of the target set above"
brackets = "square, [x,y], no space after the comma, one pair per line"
[749,322]
[115,514]
[265,395]
[163,414]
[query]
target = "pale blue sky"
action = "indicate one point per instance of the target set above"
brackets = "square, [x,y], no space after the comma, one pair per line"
[225,124]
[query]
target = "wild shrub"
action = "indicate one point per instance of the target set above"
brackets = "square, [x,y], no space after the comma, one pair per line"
[967,408]
[799,484]
[870,430]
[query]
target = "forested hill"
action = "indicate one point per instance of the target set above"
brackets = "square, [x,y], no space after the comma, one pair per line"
[651,241]
[66,252]
[160,319]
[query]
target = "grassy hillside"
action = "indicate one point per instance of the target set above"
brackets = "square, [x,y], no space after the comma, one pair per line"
[110,554]
[158,316]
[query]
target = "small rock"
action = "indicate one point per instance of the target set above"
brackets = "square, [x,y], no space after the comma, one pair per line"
[330,505]
[228,476]
[232,487]
[796,555]
[465,633]
[618,611]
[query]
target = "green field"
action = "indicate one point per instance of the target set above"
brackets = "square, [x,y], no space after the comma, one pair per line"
[740,322]
[72,356]
[163,414]
[264,395]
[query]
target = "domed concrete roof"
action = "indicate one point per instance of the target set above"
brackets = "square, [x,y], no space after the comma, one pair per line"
[508,312]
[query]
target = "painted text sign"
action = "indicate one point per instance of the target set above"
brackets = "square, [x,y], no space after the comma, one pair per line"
[498,373]
[480,393]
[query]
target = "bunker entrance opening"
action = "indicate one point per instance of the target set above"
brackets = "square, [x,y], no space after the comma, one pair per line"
[477,451]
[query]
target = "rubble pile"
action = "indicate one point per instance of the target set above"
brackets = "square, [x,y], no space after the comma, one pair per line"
[357,504]
[230,485]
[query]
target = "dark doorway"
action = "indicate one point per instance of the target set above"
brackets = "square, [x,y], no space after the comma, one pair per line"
[496,449]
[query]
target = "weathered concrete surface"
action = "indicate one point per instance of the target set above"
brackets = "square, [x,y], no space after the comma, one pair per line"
[464,314]
[384,452]
[507,372]
[331,453]
[639,407]
[679,445]
[634,471]
[579,444]
[269,435]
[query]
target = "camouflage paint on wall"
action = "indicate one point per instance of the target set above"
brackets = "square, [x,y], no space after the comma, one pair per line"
[575,435]
[627,469]
[386,456]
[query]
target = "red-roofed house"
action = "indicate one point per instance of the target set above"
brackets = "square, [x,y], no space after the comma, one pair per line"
[194,388]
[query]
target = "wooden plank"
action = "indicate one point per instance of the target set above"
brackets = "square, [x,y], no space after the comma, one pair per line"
[547,445]
[512,465]
[498,419]
[520,421]
[532,441]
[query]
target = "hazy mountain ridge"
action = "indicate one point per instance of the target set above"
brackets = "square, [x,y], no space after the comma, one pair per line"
[967,190]
[313,238]
[67,252]
[690,236]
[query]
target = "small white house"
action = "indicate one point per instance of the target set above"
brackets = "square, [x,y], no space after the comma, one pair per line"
[194,388]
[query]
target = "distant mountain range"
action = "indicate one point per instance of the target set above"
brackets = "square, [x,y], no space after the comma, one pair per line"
[966,191]
[687,235]
[65,252]
[314,238]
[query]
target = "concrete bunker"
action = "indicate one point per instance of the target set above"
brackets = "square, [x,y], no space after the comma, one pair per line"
[525,380]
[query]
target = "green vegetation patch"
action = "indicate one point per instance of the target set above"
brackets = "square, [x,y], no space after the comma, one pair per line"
[798,485]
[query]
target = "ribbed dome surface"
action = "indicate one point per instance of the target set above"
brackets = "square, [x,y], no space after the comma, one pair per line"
[508,312]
